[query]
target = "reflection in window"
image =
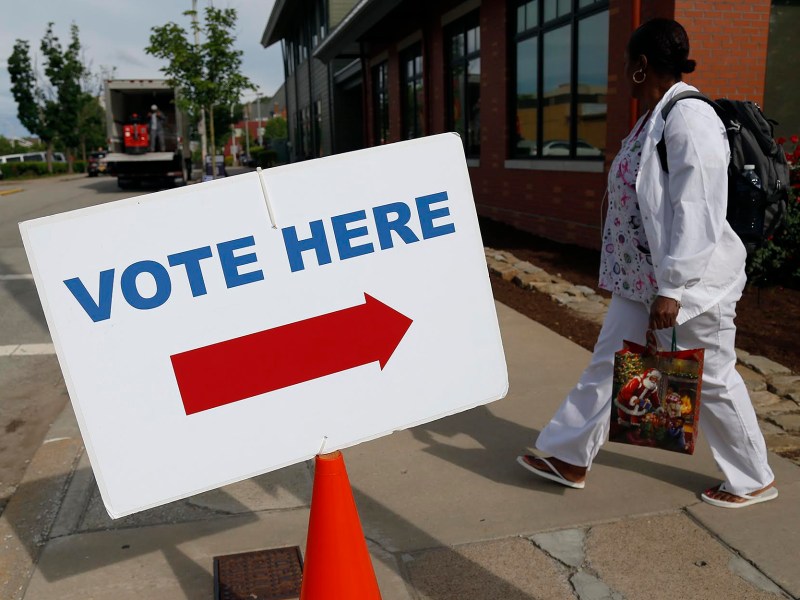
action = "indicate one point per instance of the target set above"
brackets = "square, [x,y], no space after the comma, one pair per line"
[527,124]
[464,82]
[380,103]
[592,83]
[413,96]
[561,78]
[556,96]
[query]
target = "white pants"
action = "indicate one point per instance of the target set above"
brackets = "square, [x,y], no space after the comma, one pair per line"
[727,419]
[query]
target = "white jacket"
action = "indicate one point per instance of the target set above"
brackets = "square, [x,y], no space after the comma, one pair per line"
[696,255]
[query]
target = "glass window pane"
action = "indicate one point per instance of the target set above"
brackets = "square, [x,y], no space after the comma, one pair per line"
[550,10]
[419,118]
[556,86]
[564,7]
[585,3]
[521,19]
[474,107]
[458,97]
[412,93]
[527,109]
[457,45]
[473,40]
[592,85]
[532,14]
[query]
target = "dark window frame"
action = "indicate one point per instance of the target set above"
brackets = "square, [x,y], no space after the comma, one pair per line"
[417,127]
[462,27]
[380,103]
[580,11]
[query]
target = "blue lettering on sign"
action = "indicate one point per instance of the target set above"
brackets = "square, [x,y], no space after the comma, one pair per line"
[295,247]
[130,281]
[230,263]
[390,223]
[427,215]
[398,225]
[191,262]
[344,235]
[389,219]
[131,292]
[100,310]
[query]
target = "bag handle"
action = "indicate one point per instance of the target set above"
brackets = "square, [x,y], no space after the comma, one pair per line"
[651,347]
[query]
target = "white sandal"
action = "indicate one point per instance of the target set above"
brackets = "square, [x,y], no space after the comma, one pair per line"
[765,496]
[554,476]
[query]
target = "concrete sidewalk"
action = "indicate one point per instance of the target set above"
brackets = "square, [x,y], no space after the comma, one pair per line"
[447,512]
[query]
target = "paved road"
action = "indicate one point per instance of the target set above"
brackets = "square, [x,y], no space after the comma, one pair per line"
[32,391]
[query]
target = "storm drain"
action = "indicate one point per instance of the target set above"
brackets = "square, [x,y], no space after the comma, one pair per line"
[274,574]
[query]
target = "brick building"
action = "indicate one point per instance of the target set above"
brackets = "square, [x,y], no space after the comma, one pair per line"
[535,88]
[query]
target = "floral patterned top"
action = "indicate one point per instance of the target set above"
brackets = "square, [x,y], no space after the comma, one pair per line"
[626,267]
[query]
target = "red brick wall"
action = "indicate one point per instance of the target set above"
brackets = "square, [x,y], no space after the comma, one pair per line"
[728,40]
[726,37]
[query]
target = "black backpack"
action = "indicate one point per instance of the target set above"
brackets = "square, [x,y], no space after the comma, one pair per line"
[754,214]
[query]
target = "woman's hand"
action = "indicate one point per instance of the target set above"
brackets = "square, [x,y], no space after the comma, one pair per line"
[664,312]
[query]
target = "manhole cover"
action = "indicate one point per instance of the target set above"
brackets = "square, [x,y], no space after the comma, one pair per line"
[274,574]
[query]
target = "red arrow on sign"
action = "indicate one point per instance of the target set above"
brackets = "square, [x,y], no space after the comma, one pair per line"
[270,360]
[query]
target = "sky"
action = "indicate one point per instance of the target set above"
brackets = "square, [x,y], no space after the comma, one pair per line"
[114,33]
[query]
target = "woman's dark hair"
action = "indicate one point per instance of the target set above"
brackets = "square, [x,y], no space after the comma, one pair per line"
[665,44]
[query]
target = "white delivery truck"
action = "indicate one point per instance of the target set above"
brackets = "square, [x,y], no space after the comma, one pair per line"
[133,159]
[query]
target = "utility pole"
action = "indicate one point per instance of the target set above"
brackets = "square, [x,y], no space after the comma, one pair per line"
[260,129]
[247,131]
[234,145]
[202,124]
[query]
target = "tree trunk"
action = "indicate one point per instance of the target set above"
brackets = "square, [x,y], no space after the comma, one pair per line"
[50,157]
[213,144]
[70,161]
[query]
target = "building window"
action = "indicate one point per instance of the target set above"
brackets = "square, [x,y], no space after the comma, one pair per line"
[380,103]
[464,82]
[288,56]
[317,118]
[413,96]
[319,27]
[561,79]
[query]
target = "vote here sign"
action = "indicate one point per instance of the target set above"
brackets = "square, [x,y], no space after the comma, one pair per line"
[201,345]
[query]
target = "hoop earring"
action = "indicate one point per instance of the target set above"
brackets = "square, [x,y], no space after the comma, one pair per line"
[644,76]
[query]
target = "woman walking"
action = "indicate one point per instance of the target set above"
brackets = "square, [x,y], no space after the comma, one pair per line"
[670,259]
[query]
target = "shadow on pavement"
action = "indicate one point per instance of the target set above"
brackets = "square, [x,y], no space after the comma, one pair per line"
[502,441]
[460,567]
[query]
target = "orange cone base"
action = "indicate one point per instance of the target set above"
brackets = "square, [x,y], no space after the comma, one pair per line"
[337,562]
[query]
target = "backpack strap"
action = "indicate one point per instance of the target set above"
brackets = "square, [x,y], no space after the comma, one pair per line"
[661,146]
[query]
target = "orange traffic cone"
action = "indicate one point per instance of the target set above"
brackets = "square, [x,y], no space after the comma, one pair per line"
[337,563]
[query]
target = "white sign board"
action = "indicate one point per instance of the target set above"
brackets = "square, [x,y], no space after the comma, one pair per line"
[202,346]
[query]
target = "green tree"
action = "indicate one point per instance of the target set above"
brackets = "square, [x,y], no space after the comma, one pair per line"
[35,110]
[275,128]
[91,124]
[207,74]
[64,69]
[59,111]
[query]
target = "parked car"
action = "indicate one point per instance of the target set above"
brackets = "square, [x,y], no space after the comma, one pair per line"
[95,165]
[561,148]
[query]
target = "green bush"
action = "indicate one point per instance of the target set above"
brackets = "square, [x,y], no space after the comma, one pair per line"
[778,260]
[37,169]
[264,158]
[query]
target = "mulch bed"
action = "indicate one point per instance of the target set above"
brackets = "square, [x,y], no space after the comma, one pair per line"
[768,320]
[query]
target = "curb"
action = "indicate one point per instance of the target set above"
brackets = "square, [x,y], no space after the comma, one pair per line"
[774,389]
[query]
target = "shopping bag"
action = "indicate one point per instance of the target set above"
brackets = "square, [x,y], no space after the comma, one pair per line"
[656,396]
